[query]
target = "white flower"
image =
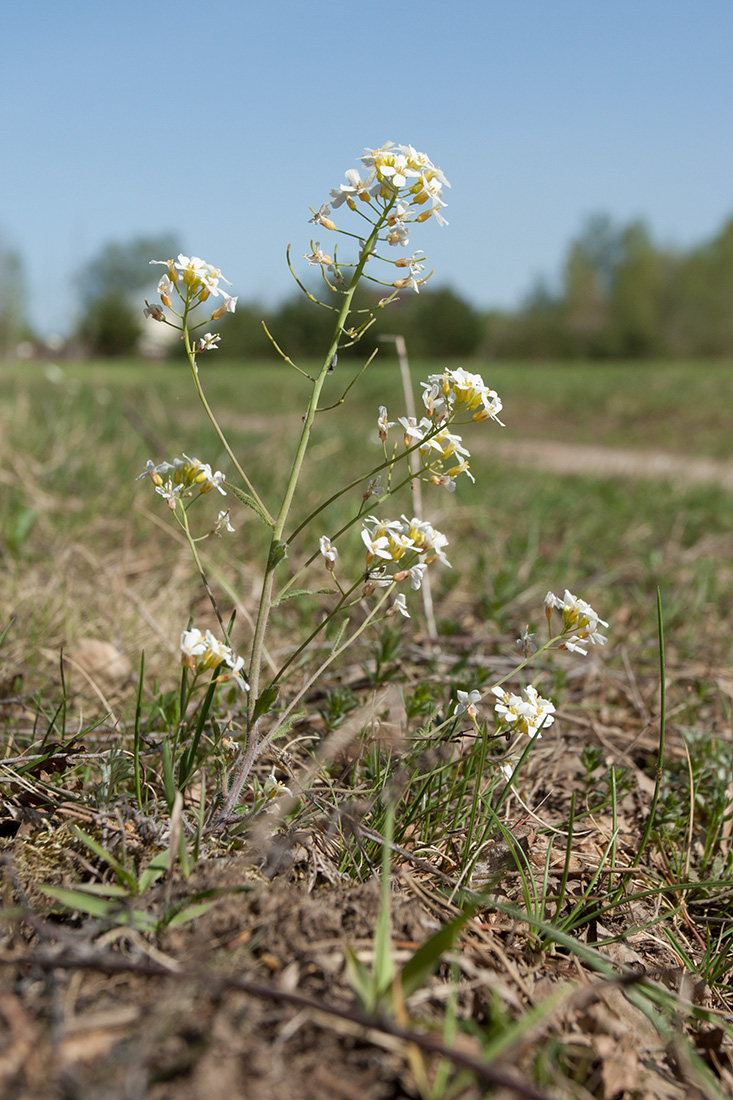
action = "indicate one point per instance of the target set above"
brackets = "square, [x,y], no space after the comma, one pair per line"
[209,341]
[192,645]
[222,523]
[317,256]
[411,261]
[355,188]
[155,312]
[153,472]
[415,433]
[383,424]
[467,701]
[274,788]
[170,493]
[407,284]
[579,620]
[165,289]
[321,217]
[426,540]
[374,488]
[400,605]
[416,575]
[229,306]
[208,652]
[510,763]
[329,552]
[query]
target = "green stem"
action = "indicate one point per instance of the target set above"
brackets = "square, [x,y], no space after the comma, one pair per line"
[275,555]
[214,422]
[662,727]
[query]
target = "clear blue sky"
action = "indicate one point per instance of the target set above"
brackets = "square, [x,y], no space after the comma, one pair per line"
[225,121]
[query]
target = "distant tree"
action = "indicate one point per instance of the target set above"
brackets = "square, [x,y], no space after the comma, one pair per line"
[436,324]
[636,293]
[587,281]
[110,327]
[111,287]
[13,323]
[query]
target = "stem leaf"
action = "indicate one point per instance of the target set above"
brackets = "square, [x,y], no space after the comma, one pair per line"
[249,500]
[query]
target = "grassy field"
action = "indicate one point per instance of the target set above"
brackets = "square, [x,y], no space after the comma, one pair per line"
[591,955]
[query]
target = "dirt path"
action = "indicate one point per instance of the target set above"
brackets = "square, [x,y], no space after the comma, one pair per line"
[586,458]
[561,457]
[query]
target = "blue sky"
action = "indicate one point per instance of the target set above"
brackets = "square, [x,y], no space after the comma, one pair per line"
[225,121]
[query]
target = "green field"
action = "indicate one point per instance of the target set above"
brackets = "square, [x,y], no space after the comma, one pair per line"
[88,552]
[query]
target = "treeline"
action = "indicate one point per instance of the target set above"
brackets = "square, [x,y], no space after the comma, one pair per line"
[619,295]
[623,296]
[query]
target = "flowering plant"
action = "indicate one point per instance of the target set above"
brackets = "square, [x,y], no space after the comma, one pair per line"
[395,191]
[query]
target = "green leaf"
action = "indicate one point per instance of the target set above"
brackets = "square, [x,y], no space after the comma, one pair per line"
[187,913]
[278,552]
[169,783]
[79,899]
[249,500]
[360,980]
[103,889]
[157,867]
[424,962]
[122,873]
[265,701]
[295,592]
[384,970]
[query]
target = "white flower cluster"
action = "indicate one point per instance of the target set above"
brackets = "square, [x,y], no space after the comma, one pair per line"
[458,391]
[196,274]
[199,281]
[394,172]
[526,716]
[392,539]
[579,620]
[185,475]
[205,651]
[443,444]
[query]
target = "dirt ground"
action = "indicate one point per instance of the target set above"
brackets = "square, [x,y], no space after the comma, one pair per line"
[252,1000]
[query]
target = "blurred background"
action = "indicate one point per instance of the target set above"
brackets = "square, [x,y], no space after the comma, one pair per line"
[589,149]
